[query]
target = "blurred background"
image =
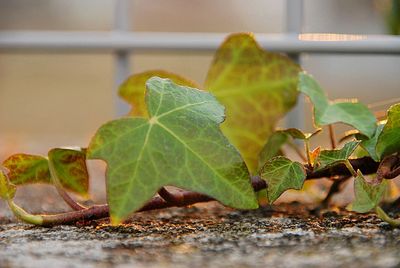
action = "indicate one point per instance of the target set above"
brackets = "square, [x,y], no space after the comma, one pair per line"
[51,99]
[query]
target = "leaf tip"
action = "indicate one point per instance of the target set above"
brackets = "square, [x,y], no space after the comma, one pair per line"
[115,221]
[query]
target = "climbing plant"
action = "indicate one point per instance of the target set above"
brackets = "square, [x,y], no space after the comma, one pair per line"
[217,141]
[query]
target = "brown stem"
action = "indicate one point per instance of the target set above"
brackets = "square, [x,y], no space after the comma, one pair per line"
[365,164]
[68,199]
[332,136]
[172,198]
[102,211]
[60,189]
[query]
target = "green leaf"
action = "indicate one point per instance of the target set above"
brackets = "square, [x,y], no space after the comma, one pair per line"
[331,157]
[326,112]
[133,89]
[7,190]
[389,139]
[70,169]
[367,196]
[369,144]
[282,174]
[70,166]
[256,87]
[26,169]
[278,139]
[180,145]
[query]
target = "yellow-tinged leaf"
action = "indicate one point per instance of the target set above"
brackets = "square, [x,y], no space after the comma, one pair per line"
[7,189]
[256,87]
[314,154]
[69,164]
[133,89]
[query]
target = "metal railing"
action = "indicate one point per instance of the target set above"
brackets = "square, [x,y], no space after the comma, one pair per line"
[123,42]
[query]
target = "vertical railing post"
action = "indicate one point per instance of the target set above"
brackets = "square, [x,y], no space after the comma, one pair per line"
[122,22]
[294,24]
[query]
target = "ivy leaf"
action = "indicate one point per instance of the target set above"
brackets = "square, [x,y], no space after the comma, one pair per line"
[256,87]
[328,158]
[326,112]
[389,138]
[369,144]
[367,196]
[179,145]
[26,169]
[313,155]
[282,174]
[278,139]
[70,166]
[133,89]
[7,189]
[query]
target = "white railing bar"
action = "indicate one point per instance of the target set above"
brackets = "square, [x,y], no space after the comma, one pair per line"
[122,25]
[109,41]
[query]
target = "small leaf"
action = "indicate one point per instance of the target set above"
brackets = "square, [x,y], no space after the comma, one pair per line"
[278,139]
[369,144]
[282,174]
[133,89]
[7,190]
[326,112]
[26,169]
[367,196]
[313,155]
[179,145]
[389,139]
[331,157]
[256,87]
[70,166]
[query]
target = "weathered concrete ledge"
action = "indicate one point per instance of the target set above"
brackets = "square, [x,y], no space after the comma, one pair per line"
[207,236]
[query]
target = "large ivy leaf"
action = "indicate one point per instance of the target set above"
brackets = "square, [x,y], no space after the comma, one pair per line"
[389,138]
[133,89]
[179,145]
[326,112]
[369,144]
[282,174]
[7,189]
[367,196]
[328,158]
[70,167]
[256,87]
